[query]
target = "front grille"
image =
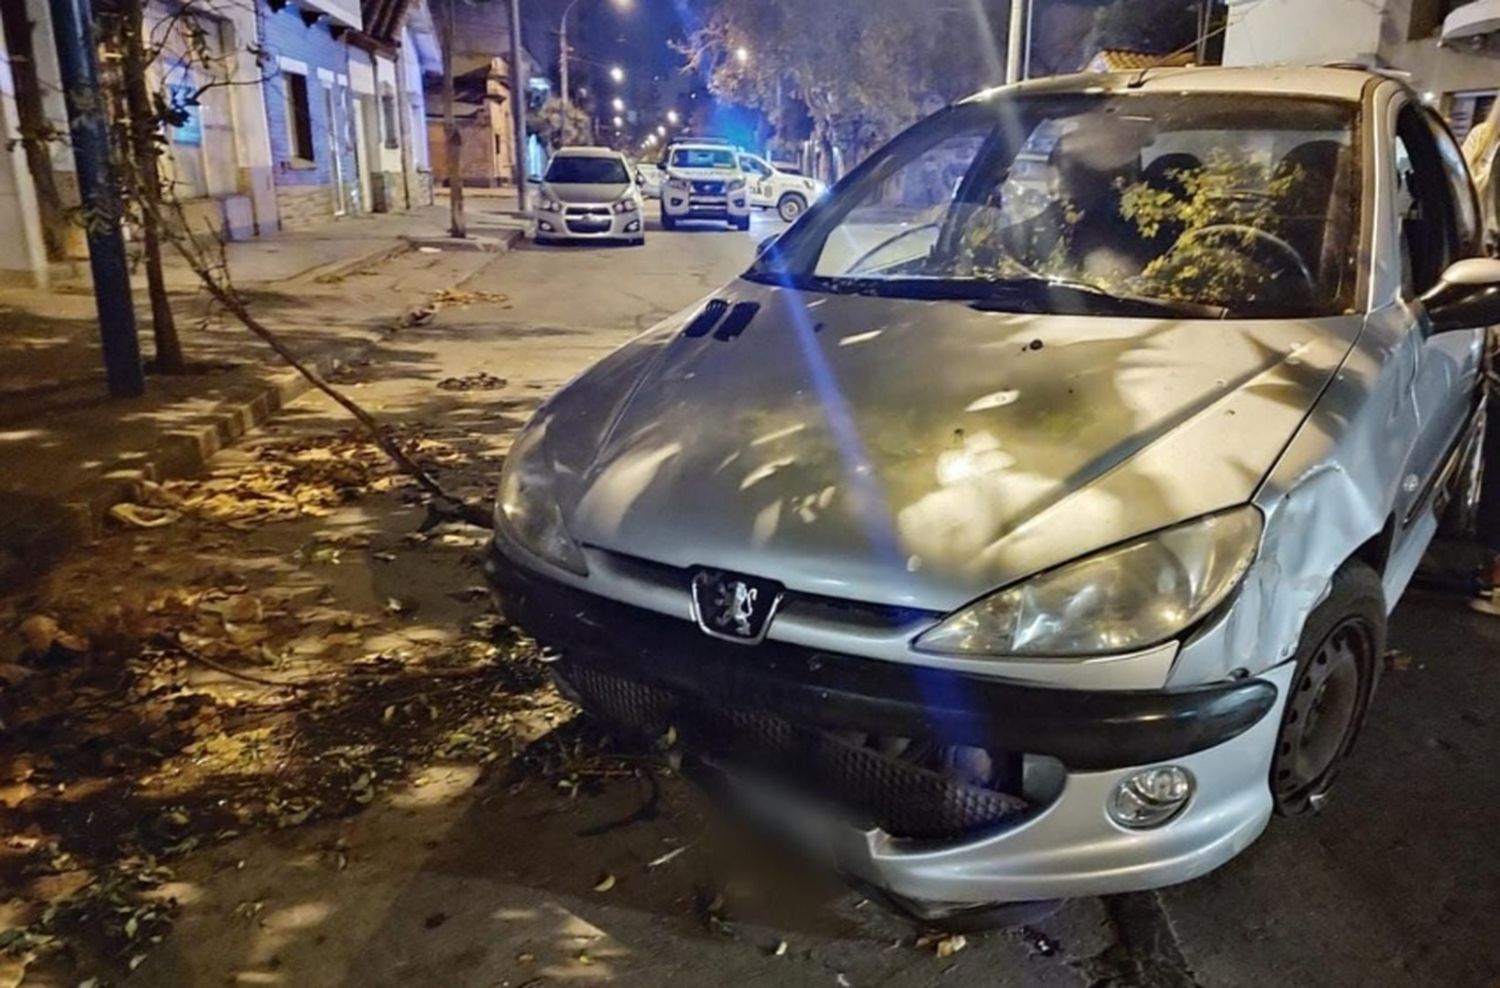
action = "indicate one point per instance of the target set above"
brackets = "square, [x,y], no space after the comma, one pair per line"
[834,611]
[901,798]
[708,188]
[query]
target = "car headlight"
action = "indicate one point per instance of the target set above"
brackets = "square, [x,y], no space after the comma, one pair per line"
[627,205]
[526,508]
[1130,597]
[551,205]
[735,184]
[678,184]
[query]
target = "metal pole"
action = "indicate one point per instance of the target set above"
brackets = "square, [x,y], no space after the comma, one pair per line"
[518,102]
[73,33]
[567,98]
[1016,43]
[1030,33]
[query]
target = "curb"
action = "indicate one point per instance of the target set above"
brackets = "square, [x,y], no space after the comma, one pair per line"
[338,270]
[35,537]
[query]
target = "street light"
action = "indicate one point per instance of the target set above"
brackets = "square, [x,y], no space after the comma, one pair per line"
[616,73]
[742,55]
[619,122]
[619,105]
[673,117]
[661,131]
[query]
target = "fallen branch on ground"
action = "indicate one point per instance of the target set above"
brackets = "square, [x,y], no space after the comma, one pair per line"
[216,281]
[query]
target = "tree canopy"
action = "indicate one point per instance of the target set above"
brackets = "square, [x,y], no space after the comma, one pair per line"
[866,71]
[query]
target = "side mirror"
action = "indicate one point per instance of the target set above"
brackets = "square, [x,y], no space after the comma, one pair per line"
[1466,297]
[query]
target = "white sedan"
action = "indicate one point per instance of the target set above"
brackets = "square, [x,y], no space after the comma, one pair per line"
[590,193]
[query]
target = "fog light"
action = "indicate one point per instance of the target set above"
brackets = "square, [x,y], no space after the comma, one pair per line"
[544,226]
[633,226]
[1151,797]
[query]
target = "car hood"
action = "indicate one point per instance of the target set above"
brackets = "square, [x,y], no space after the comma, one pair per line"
[704,174]
[586,192]
[919,453]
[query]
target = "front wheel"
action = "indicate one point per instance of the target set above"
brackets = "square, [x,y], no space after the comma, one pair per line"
[1341,648]
[791,207]
[742,223]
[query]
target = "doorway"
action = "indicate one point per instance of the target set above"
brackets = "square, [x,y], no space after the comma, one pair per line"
[364,154]
[336,172]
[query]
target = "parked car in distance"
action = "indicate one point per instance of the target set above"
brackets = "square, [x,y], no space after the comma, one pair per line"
[777,187]
[590,193]
[1018,534]
[704,182]
[650,176]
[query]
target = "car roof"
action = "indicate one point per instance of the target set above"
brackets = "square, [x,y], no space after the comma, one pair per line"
[1272,80]
[587,152]
[701,146]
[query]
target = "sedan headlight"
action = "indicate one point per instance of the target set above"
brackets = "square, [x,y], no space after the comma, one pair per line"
[526,509]
[551,205]
[627,205]
[1130,597]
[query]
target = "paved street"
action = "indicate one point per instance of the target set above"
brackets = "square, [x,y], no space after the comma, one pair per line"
[466,871]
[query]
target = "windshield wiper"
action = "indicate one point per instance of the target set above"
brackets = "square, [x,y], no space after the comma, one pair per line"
[1095,297]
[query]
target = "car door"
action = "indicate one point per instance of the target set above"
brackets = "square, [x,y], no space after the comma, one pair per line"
[759,175]
[1439,223]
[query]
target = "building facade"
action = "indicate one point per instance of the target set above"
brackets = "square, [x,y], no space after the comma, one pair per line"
[284,115]
[1456,71]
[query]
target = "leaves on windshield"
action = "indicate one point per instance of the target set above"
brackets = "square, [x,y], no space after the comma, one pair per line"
[1225,230]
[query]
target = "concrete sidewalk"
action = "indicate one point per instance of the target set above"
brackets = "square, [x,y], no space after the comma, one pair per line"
[68,452]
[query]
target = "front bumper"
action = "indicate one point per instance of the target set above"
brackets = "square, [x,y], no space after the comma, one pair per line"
[695,206]
[588,223]
[650,670]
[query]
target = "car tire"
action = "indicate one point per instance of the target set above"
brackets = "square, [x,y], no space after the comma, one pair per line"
[791,207]
[742,223]
[1337,662]
[638,242]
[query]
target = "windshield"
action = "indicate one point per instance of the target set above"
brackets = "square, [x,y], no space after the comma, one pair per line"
[580,170]
[1211,203]
[703,158]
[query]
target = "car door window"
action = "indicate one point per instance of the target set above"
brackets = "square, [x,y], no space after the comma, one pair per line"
[1434,201]
[1468,226]
[755,167]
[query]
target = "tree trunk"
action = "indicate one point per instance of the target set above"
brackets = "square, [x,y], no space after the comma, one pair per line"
[143,151]
[457,225]
[33,127]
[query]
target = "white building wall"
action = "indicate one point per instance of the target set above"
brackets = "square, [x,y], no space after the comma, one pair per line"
[252,136]
[23,255]
[1302,32]
[414,103]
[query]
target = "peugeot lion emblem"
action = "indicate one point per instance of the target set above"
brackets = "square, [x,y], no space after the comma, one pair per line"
[732,607]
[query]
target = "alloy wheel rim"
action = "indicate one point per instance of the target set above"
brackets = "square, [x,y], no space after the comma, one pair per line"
[1322,710]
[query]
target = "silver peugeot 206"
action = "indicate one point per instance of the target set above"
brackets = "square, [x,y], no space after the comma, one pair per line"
[1023,524]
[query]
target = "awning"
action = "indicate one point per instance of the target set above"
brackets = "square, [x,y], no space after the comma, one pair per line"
[1472,20]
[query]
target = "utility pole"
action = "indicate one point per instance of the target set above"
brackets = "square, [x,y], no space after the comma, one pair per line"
[567,97]
[73,32]
[1015,50]
[518,100]
[1205,18]
[458,226]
